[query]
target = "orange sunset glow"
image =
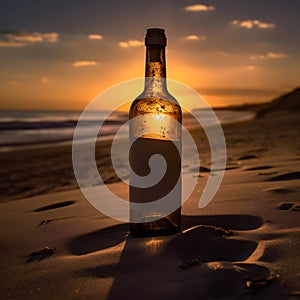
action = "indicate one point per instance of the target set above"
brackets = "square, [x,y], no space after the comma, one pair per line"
[227,55]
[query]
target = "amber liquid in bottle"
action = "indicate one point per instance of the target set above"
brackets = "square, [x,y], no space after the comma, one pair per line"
[157,130]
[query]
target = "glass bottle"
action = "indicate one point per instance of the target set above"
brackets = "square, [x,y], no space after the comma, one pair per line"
[155,128]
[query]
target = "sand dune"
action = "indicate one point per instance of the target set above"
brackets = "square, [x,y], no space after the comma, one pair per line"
[289,102]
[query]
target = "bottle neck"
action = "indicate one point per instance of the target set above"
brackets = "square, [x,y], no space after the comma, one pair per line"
[155,73]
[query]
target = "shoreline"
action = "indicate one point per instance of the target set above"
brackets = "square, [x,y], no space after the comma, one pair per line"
[4,149]
[188,122]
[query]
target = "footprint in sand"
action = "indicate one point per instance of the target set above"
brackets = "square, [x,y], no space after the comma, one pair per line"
[207,170]
[55,206]
[200,170]
[286,176]
[282,191]
[228,279]
[259,168]
[189,244]
[248,156]
[289,206]
[228,167]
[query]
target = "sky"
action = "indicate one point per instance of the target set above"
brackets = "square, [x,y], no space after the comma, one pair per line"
[60,55]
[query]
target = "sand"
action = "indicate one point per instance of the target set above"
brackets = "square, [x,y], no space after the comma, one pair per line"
[243,245]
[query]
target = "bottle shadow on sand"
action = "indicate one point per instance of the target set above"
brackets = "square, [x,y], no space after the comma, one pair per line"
[204,260]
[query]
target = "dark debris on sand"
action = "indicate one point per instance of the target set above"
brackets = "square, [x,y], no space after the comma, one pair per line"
[254,286]
[40,254]
[44,251]
[188,263]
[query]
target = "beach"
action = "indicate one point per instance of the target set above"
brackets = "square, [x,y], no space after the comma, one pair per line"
[243,245]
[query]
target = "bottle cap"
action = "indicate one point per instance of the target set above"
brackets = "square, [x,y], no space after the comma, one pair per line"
[155,36]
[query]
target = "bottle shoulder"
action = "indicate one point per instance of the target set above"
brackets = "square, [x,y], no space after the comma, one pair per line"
[157,96]
[155,105]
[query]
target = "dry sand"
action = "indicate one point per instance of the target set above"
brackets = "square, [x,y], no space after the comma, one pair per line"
[243,245]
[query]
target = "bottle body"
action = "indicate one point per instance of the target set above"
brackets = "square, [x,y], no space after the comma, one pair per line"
[166,143]
[155,128]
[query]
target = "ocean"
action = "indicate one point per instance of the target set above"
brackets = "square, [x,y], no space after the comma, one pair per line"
[19,129]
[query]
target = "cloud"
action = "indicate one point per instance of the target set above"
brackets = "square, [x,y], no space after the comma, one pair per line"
[268,55]
[250,67]
[277,55]
[250,24]
[83,63]
[44,80]
[33,37]
[131,43]
[199,7]
[194,37]
[95,36]
[20,39]
[11,44]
